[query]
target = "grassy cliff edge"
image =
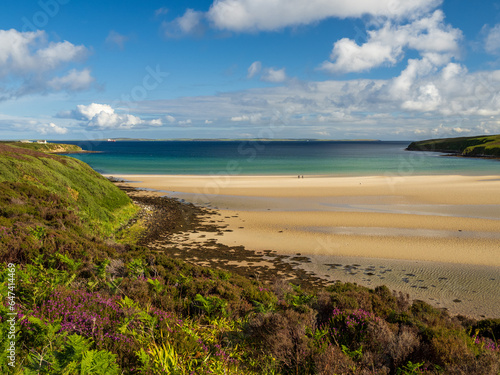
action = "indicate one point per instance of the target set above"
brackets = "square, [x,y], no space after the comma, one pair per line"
[480,146]
[53,148]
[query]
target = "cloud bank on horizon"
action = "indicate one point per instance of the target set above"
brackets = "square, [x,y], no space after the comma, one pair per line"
[405,72]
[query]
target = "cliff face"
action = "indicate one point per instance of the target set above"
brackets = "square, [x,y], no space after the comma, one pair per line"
[482,146]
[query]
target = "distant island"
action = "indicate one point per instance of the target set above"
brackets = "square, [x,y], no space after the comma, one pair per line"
[479,146]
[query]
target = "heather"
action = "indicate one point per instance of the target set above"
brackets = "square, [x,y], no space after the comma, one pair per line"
[88,305]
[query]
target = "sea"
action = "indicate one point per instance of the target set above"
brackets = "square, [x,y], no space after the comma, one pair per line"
[263,157]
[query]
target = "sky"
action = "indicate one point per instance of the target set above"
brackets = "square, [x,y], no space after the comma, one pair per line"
[326,69]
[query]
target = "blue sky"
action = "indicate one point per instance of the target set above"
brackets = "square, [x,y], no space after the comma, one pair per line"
[386,69]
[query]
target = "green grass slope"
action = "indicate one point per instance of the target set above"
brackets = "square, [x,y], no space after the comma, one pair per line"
[55,197]
[481,146]
[46,147]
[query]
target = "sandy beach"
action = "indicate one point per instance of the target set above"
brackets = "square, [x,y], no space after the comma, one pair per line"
[435,237]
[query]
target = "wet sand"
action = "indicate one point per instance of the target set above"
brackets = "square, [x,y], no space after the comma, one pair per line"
[434,237]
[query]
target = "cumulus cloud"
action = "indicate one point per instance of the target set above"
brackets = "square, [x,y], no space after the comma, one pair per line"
[116,39]
[255,15]
[424,96]
[186,123]
[51,128]
[31,63]
[188,23]
[28,125]
[443,130]
[103,116]
[385,46]
[75,80]
[30,52]
[427,99]
[492,40]
[274,75]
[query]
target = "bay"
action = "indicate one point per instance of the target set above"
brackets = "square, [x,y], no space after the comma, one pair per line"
[263,157]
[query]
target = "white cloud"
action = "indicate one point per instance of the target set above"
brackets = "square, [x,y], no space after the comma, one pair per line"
[274,75]
[254,69]
[443,130]
[350,57]
[29,127]
[403,84]
[31,62]
[268,74]
[51,128]
[428,99]
[252,118]
[170,119]
[116,39]
[56,54]
[254,15]
[492,41]
[240,118]
[29,52]
[88,112]
[74,81]
[425,95]
[156,122]
[103,116]
[188,23]
[185,122]
[385,46]
[208,122]
[161,11]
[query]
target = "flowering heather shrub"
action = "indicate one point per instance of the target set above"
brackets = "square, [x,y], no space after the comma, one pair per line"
[119,325]
[487,332]
[4,231]
[350,328]
[89,315]
[487,343]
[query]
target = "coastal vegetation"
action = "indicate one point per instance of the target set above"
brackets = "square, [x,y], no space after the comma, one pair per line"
[90,298]
[46,147]
[481,146]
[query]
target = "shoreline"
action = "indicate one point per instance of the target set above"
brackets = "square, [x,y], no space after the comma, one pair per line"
[363,226]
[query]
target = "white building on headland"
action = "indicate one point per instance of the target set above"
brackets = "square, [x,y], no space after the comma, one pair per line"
[25,141]
[42,142]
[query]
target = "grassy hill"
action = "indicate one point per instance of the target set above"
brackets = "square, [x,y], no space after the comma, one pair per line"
[46,147]
[481,146]
[84,304]
[99,205]
[55,204]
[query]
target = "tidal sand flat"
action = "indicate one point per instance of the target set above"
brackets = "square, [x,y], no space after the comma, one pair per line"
[434,237]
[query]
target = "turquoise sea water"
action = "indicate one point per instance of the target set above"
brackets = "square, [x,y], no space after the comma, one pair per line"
[274,158]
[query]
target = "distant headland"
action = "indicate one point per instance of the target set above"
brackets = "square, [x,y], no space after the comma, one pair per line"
[479,146]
